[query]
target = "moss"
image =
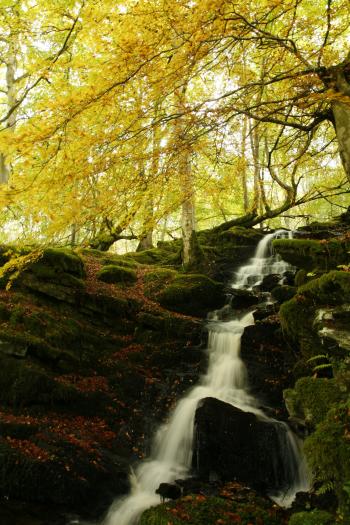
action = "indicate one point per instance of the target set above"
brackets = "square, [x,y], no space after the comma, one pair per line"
[23,384]
[55,265]
[61,260]
[240,235]
[157,279]
[201,510]
[327,452]
[312,398]
[66,288]
[5,312]
[310,254]
[330,289]
[15,341]
[158,256]
[116,274]
[122,261]
[283,293]
[297,314]
[314,517]
[301,277]
[194,294]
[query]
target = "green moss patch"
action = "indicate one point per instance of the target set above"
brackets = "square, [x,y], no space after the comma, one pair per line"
[314,517]
[157,279]
[193,294]
[328,452]
[201,510]
[23,384]
[283,293]
[312,398]
[297,314]
[241,235]
[116,274]
[58,267]
[158,256]
[311,254]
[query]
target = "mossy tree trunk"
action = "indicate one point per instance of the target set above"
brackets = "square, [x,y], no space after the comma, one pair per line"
[108,235]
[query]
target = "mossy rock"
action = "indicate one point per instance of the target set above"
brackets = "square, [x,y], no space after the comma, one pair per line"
[297,314]
[283,293]
[62,260]
[312,254]
[314,517]
[59,266]
[116,274]
[62,477]
[9,251]
[201,510]
[240,235]
[108,307]
[120,260]
[15,341]
[66,288]
[193,294]
[330,289]
[158,256]
[312,398]
[157,279]
[301,277]
[327,452]
[24,384]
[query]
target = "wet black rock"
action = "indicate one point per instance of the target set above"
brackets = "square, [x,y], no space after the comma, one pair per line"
[243,298]
[169,491]
[269,363]
[269,282]
[264,310]
[233,445]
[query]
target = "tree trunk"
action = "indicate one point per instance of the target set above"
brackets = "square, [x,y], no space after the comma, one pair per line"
[341,112]
[244,165]
[146,242]
[11,101]
[188,221]
[4,170]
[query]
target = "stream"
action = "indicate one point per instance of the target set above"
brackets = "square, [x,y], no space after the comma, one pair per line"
[226,380]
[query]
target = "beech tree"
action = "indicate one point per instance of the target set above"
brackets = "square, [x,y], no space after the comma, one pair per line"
[99,138]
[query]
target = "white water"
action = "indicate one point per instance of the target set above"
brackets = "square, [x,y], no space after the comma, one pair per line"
[225,380]
[264,262]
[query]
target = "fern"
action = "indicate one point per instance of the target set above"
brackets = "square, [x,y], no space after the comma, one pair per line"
[321,366]
[327,486]
[316,357]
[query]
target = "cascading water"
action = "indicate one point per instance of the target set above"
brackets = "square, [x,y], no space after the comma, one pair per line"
[225,380]
[265,262]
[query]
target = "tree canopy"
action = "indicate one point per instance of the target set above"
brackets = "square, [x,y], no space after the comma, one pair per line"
[117,115]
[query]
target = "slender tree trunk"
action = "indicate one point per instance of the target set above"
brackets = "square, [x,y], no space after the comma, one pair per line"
[341,112]
[146,238]
[164,229]
[186,180]
[255,148]
[4,170]
[11,100]
[244,165]
[73,235]
[188,222]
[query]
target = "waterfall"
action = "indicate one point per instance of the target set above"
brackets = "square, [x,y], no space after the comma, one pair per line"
[264,262]
[226,380]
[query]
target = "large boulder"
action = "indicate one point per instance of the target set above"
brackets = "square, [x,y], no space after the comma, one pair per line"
[268,361]
[234,445]
[193,294]
[311,254]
